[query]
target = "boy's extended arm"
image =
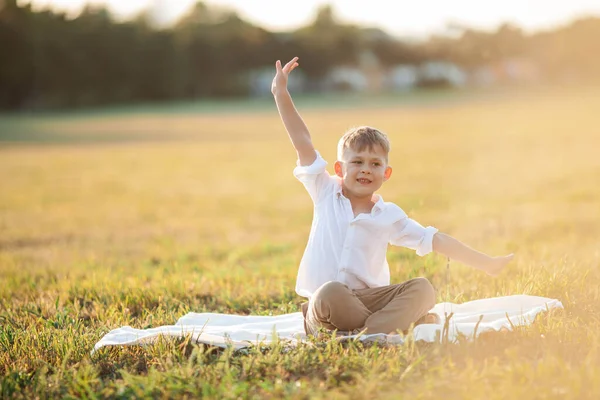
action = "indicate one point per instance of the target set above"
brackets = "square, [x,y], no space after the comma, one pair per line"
[456,250]
[295,126]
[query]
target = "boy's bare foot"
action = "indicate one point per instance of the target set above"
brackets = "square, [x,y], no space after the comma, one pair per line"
[429,318]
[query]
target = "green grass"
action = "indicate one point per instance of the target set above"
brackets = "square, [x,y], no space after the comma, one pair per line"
[136,217]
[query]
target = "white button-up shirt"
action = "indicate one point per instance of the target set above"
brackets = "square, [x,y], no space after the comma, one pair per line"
[349,249]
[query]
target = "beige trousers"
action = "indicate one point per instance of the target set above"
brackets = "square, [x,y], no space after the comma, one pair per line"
[385,309]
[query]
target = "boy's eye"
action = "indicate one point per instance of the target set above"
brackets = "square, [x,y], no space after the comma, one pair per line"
[357,162]
[376,164]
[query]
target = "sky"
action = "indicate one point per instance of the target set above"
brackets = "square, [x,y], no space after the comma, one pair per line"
[400,18]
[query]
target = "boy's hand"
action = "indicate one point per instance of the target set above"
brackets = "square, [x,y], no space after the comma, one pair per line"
[281,77]
[497,264]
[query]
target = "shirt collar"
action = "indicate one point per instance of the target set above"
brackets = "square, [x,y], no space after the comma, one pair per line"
[377,207]
[379,204]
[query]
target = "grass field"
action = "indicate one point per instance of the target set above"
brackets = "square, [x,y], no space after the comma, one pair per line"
[138,217]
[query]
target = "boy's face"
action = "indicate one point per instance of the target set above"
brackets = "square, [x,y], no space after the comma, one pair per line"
[363,172]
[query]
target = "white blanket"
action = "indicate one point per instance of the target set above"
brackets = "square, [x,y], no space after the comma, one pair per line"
[468,319]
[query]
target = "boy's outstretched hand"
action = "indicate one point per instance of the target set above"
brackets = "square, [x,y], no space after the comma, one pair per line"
[281,77]
[497,264]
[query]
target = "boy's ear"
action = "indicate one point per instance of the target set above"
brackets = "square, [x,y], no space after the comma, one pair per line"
[337,167]
[387,173]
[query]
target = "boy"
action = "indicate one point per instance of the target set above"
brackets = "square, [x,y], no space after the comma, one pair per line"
[344,271]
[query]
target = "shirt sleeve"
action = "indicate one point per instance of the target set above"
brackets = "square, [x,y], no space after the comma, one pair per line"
[314,177]
[409,233]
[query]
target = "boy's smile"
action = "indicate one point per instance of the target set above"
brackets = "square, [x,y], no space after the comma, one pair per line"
[363,172]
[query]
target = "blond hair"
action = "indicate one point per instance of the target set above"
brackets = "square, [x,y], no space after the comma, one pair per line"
[362,137]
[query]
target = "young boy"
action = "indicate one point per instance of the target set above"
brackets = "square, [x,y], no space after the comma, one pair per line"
[344,272]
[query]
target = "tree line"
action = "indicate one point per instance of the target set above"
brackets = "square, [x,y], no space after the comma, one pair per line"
[52,61]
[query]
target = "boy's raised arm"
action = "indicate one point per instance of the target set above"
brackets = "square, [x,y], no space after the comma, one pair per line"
[295,126]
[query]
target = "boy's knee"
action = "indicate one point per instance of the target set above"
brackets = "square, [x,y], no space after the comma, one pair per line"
[329,291]
[425,290]
[325,300]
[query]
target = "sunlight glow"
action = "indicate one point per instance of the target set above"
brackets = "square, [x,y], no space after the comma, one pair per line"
[397,18]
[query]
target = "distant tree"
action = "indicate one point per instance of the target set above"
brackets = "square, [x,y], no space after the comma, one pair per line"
[52,61]
[569,53]
[16,45]
[325,43]
[216,47]
[391,51]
